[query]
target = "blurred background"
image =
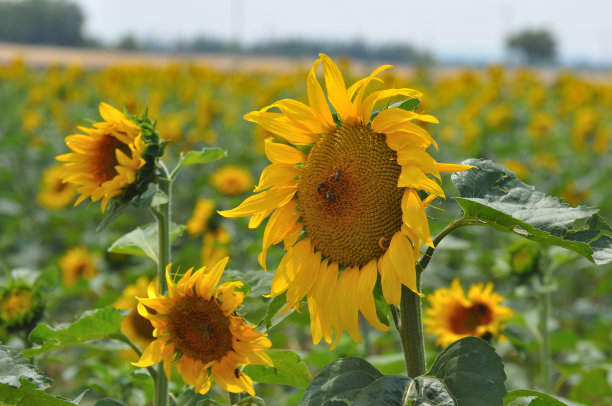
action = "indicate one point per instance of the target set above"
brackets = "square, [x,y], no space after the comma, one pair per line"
[524,83]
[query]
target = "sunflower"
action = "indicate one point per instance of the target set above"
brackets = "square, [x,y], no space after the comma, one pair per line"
[202,212]
[55,194]
[75,264]
[106,159]
[196,325]
[452,315]
[21,306]
[231,180]
[215,245]
[346,201]
[134,326]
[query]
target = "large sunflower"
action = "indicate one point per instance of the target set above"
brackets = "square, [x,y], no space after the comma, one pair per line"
[453,314]
[196,324]
[106,159]
[345,202]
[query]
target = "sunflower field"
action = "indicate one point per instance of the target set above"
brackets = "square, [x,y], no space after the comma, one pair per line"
[307,237]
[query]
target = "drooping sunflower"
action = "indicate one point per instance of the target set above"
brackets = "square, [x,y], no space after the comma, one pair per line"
[196,325]
[453,315]
[75,264]
[346,201]
[114,158]
[54,193]
[134,326]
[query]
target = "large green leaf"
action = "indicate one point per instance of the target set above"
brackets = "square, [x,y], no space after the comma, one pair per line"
[143,241]
[472,372]
[397,390]
[272,318]
[493,195]
[13,368]
[202,157]
[288,369]
[92,325]
[545,399]
[27,395]
[428,391]
[259,281]
[251,401]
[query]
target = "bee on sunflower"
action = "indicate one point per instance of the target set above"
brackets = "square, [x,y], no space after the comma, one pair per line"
[196,325]
[114,159]
[342,194]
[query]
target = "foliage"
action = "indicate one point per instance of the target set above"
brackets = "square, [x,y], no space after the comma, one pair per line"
[534,46]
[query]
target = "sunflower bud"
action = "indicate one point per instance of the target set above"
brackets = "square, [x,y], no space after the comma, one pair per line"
[21,306]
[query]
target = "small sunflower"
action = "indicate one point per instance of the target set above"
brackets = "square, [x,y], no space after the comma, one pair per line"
[346,202]
[134,326]
[54,193]
[197,325]
[20,306]
[75,264]
[202,212]
[452,315]
[114,158]
[231,180]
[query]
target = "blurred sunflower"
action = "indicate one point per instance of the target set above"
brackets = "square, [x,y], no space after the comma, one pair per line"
[231,180]
[197,325]
[75,264]
[54,193]
[134,326]
[351,186]
[202,212]
[116,157]
[453,315]
[215,245]
[20,306]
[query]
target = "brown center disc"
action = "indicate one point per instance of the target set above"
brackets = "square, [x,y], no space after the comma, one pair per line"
[348,196]
[199,328]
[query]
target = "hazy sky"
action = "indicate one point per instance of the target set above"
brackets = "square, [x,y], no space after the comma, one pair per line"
[473,28]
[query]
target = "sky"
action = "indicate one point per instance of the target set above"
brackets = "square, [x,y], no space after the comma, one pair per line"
[446,28]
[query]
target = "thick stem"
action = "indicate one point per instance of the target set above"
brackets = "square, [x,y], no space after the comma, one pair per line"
[163,216]
[411,330]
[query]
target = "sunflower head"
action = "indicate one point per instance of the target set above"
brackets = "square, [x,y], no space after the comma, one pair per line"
[344,194]
[524,257]
[21,306]
[134,326]
[55,194]
[77,263]
[197,327]
[453,315]
[115,159]
[215,245]
[202,212]
[231,180]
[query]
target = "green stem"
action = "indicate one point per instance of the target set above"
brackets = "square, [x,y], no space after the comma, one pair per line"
[234,398]
[163,216]
[545,356]
[411,330]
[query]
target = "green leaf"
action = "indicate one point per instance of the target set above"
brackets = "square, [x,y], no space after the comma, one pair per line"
[27,395]
[13,368]
[428,391]
[109,402]
[272,318]
[142,241]
[472,372]
[251,401]
[259,281]
[288,369]
[202,157]
[388,390]
[342,379]
[545,399]
[409,105]
[153,198]
[493,195]
[92,325]
[190,398]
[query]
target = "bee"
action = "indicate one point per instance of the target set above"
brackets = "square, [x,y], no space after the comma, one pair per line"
[237,373]
[330,196]
[337,175]
[320,188]
[208,332]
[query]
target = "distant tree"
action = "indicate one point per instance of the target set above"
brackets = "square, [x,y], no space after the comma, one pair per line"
[56,22]
[533,46]
[128,43]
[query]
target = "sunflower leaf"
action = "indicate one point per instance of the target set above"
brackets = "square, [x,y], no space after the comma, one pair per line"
[13,368]
[472,372]
[272,318]
[201,157]
[493,195]
[251,401]
[288,369]
[142,241]
[408,104]
[26,394]
[92,325]
[545,399]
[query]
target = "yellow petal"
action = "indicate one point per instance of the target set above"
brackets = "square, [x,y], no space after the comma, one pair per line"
[419,158]
[453,167]
[365,110]
[317,100]
[281,125]
[280,224]
[152,354]
[336,90]
[367,281]
[389,280]
[414,216]
[208,282]
[300,114]
[402,260]
[414,178]
[276,175]
[348,304]
[261,202]
[282,154]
